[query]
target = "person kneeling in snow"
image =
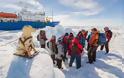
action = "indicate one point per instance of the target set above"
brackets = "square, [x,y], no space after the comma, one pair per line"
[76,50]
[60,54]
[26,46]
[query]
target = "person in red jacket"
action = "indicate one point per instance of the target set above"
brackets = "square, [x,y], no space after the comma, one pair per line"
[85,33]
[65,45]
[108,34]
[82,35]
[41,37]
[76,50]
[70,38]
[53,47]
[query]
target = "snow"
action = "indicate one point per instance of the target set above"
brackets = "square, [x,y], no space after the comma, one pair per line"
[31,68]
[106,66]
[58,73]
[12,66]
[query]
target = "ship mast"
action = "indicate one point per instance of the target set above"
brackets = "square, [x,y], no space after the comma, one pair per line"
[52,15]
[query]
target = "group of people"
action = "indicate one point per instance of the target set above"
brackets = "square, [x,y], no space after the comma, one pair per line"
[73,46]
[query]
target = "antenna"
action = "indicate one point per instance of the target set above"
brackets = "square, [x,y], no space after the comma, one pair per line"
[52,15]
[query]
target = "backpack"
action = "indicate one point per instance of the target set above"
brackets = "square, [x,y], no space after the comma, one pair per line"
[82,41]
[74,48]
[110,32]
[89,36]
[102,39]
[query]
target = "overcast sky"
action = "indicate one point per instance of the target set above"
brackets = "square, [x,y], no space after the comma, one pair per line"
[74,12]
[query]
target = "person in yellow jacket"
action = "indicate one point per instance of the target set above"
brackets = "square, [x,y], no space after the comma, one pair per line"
[93,44]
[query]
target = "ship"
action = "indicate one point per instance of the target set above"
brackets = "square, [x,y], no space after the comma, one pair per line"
[16,21]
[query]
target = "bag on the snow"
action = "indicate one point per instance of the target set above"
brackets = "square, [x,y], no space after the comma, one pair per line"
[22,51]
[102,39]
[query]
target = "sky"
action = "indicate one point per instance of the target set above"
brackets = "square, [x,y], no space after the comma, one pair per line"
[74,12]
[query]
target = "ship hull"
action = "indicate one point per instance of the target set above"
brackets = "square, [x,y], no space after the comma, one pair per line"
[20,24]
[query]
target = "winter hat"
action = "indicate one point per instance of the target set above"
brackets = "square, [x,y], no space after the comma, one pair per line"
[106,28]
[53,36]
[94,29]
[71,34]
[83,30]
[66,34]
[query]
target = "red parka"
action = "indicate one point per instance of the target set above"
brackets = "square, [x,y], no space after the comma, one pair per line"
[108,35]
[79,47]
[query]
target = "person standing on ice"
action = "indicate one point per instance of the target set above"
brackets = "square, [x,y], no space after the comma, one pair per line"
[70,38]
[88,45]
[65,44]
[76,51]
[53,47]
[82,36]
[41,37]
[93,44]
[60,54]
[108,34]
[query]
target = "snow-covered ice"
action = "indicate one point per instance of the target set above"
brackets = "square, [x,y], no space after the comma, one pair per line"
[106,66]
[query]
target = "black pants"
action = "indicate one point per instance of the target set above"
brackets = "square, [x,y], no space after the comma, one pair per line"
[59,63]
[92,54]
[88,46]
[78,60]
[53,58]
[106,47]
[65,52]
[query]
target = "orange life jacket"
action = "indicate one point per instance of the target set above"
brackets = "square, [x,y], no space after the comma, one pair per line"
[93,41]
